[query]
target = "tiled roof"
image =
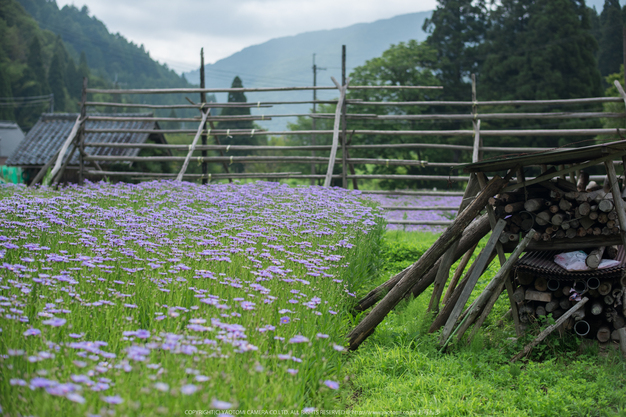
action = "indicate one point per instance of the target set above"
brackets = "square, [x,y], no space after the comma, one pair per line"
[52,129]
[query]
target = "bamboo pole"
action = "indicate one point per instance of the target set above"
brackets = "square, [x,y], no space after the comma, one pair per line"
[421,208]
[550,329]
[333,151]
[192,147]
[255,89]
[592,100]
[426,261]
[416,193]
[171,106]
[520,133]
[208,176]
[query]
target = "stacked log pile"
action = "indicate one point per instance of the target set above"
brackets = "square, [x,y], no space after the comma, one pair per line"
[557,210]
[539,295]
[560,210]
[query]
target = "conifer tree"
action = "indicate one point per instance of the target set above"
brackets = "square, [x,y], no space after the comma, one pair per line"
[237,97]
[56,79]
[611,38]
[456,28]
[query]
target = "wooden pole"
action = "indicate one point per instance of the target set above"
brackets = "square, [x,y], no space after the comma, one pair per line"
[470,238]
[550,329]
[44,169]
[205,169]
[481,263]
[313,127]
[457,273]
[344,166]
[619,203]
[509,287]
[426,261]
[443,272]
[81,132]
[192,147]
[333,151]
[490,295]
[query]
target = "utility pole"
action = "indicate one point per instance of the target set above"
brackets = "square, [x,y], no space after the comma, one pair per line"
[204,135]
[315,69]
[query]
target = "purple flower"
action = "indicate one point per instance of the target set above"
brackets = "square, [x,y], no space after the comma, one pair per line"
[188,389]
[113,399]
[16,381]
[221,405]
[55,322]
[292,371]
[298,339]
[32,332]
[322,336]
[77,398]
[331,384]
[284,320]
[161,386]
[142,334]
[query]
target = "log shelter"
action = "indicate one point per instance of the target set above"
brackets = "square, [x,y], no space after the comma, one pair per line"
[561,173]
[559,165]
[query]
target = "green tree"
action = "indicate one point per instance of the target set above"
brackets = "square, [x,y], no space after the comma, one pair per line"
[457,28]
[539,49]
[238,97]
[56,79]
[6,111]
[610,55]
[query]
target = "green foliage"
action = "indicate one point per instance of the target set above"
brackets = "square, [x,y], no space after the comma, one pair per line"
[610,55]
[457,28]
[238,97]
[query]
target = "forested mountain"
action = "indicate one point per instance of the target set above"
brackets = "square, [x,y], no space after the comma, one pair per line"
[109,55]
[46,50]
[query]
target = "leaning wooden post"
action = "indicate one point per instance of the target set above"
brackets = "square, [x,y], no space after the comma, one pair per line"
[509,287]
[619,203]
[491,293]
[81,132]
[457,273]
[335,143]
[344,150]
[471,236]
[481,263]
[192,147]
[204,135]
[444,269]
[477,153]
[550,329]
[427,260]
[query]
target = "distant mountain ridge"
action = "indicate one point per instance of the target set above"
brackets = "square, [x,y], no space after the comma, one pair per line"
[287,61]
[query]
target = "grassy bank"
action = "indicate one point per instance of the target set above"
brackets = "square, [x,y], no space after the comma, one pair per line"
[400,367]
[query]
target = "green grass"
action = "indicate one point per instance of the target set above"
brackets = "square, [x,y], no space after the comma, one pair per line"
[400,367]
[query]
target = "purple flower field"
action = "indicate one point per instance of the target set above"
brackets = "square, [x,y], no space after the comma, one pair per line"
[163,296]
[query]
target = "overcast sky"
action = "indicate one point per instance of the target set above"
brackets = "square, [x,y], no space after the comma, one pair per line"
[174,31]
